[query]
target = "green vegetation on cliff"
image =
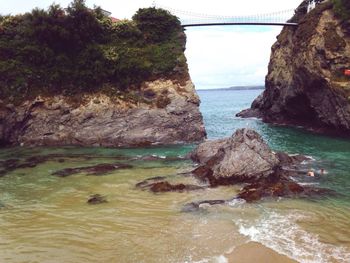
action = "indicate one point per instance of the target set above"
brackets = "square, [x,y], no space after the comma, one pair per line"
[342,8]
[75,50]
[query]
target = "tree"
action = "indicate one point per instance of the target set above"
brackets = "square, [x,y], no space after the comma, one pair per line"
[156,24]
[57,51]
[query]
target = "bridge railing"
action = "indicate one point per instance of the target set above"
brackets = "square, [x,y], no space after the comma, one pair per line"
[188,18]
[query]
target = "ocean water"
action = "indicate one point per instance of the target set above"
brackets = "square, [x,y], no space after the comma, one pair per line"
[307,230]
[44,218]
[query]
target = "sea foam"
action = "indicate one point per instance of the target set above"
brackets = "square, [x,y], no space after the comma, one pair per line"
[282,234]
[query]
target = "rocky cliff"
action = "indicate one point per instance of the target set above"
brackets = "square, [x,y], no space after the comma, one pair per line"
[306,84]
[74,77]
[168,114]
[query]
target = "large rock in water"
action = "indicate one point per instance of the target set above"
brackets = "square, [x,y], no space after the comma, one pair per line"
[168,113]
[305,84]
[246,158]
[240,158]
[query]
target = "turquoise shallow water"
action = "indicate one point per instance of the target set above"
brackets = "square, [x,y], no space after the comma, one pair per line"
[333,154]
[44,218]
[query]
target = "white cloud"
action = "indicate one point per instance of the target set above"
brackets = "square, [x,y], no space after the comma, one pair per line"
[221,58]
[217,56]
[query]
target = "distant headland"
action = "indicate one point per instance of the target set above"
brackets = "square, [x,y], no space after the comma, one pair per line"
[258,87]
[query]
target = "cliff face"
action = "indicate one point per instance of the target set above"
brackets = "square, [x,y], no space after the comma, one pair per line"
[74,77]
[305,84]
[168,114]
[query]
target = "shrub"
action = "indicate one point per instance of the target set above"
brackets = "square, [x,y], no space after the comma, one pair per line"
[342,8]
[80,50]
[156,24]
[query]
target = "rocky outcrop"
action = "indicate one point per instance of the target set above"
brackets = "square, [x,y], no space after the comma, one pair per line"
[241,158]
[165,186]
[97,199]
[246,158]
[280,186]
[305,85]
[161,112]
[159,184]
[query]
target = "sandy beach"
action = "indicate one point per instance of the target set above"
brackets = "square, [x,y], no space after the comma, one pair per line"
[253,252]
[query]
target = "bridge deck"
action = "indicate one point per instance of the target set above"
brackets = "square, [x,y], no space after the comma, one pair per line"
[240,24]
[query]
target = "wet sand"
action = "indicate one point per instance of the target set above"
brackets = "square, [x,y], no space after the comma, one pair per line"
[253,252]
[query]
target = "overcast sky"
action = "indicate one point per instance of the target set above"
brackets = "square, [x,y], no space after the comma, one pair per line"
[218,56]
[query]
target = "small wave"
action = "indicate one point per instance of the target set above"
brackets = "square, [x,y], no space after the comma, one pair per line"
[218,259]
[159,156]
[237,202]
[247,118]
[221,259]
[307,184]
[284,235]
[302,181]
[310,157]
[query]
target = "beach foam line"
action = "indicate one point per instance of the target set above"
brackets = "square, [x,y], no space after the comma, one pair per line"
[310,157]
[216,259]
[236,202]
[282,234]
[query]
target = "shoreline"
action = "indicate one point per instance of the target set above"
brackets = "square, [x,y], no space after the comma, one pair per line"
[253,252]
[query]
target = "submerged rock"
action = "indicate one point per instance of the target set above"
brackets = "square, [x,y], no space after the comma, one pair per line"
[97,199]
[9,165]
[167,187]
[33,161]
[99,169]
[306,85]
[164,186]
[148,181]
[282,187]
[195,206]
[270,187]
[290,160]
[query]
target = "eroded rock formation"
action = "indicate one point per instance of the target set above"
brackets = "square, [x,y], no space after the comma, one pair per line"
[168,113]
[306,84]
[241,158]
[246,158]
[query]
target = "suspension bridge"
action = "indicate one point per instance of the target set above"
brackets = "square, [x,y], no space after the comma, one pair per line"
[191,19]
